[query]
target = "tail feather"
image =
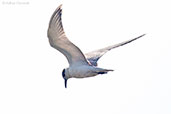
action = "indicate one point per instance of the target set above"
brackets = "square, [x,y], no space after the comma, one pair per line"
[104,71]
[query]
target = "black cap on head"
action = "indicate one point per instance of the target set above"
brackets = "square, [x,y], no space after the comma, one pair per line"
[63,73]
[65,79]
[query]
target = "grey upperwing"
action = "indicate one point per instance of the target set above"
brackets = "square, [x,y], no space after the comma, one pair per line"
[94,56]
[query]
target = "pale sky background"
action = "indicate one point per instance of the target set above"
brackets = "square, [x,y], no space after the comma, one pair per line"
[30,75]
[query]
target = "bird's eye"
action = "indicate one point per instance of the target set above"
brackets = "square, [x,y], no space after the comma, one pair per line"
[63,73]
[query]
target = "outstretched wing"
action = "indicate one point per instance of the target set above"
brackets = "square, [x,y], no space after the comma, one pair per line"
[59,41]
[94,56]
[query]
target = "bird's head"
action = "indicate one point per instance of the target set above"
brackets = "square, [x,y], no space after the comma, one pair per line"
[65,77]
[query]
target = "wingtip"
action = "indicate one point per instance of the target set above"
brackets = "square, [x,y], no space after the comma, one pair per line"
[138,37]
[141,35]
[60,6]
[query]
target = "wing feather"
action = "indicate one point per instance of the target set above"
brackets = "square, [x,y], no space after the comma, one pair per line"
[94,56]
[59,41]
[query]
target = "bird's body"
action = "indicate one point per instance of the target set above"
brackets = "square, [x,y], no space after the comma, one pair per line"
[84,71]
[80,65]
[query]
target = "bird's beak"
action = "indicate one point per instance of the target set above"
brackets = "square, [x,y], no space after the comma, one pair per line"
[65,83]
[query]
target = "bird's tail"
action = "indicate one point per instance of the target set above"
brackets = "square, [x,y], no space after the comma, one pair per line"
[104,71]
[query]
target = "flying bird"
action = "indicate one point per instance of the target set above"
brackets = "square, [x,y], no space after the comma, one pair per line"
[80,65]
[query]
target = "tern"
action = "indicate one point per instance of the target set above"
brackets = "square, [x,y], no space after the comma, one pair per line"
[80,65]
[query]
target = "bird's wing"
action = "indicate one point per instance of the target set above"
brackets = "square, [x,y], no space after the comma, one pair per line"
[59,41]
[94,56]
